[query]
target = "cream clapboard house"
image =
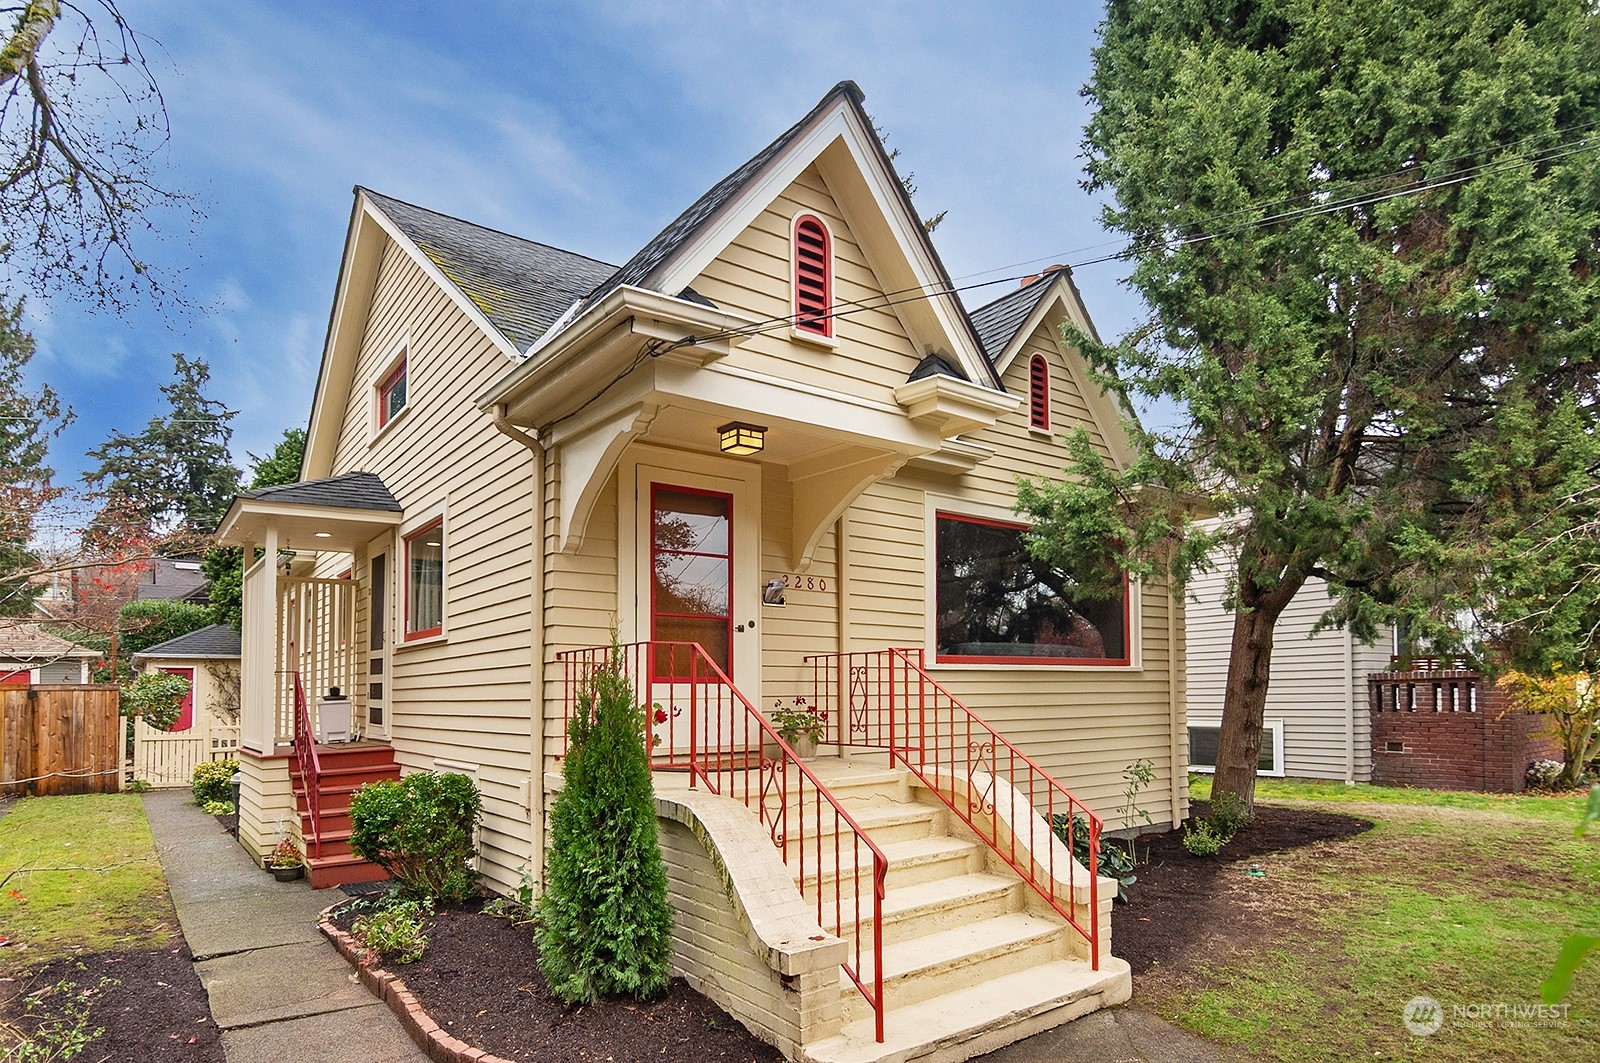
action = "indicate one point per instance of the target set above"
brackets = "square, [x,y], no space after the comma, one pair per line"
[774,432]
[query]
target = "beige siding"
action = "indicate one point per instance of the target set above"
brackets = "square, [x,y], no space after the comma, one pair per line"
[465,699]
[752,275]
[1318,687]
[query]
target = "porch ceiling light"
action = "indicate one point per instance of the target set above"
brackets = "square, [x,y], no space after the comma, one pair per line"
[741,438]
[324,535]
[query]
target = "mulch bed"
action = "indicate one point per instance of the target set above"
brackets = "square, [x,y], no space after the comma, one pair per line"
[150,1004]
[479,980]
[1181,900]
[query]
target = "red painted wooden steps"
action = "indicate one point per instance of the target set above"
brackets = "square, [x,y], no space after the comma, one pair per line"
[345,769]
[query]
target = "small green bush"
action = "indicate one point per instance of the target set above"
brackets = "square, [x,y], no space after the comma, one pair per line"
[419,829]
[396,932]
[212,781]
[156,696]
[217,808]
[605,926]
[1202,839]
[1115,860]
[1228,815]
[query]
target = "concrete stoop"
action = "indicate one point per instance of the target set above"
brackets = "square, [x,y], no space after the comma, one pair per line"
[971,960]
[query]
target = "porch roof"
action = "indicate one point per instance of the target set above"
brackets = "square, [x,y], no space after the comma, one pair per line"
[217,642]
[335,513]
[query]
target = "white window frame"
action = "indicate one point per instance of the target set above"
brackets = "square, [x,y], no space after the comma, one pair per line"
[1274,724]
[439,519]
[399,356]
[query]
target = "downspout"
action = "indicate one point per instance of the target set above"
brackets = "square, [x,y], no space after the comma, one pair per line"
[1175,707]
[1349,707]
[536,652]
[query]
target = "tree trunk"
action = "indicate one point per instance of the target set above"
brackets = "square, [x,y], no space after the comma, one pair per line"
[1245,698]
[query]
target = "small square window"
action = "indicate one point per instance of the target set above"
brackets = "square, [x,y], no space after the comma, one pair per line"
[425,581]
[392,393]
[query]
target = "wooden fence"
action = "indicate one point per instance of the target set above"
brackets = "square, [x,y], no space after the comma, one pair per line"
[60,739]
[167,759]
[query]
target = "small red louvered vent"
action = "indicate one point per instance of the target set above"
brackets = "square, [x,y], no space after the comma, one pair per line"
[1039,393]
[813,277]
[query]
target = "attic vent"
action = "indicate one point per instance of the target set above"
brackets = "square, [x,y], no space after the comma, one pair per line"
[1039,393]
[813,276]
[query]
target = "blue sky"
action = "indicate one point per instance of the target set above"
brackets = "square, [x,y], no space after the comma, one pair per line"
[584,125]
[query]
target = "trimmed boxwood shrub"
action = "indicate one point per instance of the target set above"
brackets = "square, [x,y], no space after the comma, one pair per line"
[419,829]
[605,926]
[212,782]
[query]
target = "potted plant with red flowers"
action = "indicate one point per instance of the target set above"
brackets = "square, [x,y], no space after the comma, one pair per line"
[285,861]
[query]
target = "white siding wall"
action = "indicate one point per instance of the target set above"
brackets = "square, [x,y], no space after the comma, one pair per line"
[1319,682]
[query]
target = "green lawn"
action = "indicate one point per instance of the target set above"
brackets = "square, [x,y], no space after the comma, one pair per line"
[1464,898]
[112,896]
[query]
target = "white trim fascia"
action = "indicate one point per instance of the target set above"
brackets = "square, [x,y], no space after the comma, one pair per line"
[626,306]
[445,284]
[256,507]
[555,328]
[315,464]
[953,406]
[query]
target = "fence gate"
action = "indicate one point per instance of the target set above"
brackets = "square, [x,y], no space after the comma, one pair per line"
[167,759]
[60,739]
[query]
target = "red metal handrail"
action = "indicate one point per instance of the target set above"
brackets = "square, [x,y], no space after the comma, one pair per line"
[305,752]
[701,723]
[885,700]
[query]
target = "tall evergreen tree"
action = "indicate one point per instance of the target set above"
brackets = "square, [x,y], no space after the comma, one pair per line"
[224,565]
[176,474]
[28,421]
[1368,233]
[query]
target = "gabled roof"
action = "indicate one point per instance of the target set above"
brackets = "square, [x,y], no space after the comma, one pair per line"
[999,322]
[25,640]
[214,642]
[521,286]
[353,490]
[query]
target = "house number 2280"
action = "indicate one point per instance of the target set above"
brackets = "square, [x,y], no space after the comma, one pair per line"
[805,583]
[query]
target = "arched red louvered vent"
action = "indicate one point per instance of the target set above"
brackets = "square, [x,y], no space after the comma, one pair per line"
[813,276]
[1039,393]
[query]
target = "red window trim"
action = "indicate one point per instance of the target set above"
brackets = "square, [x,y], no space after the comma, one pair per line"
[812,246]
[1039,393]
[1041,662]
[428,632]
[654,488]
[388,384]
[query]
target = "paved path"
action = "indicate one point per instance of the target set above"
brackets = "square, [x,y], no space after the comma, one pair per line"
[278,990]
[1116,1035]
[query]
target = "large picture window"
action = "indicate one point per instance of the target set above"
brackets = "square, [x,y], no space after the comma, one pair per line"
[995,604]
[425,581]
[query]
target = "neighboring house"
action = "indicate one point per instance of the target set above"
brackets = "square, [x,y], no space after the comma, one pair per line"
[209,659]
[1317,724]
[774,432]
[30,654]
[91,595]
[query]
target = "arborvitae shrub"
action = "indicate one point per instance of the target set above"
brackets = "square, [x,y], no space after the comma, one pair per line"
[605,925]
[419,829]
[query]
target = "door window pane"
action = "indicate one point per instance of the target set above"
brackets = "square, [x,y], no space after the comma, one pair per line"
[691,568]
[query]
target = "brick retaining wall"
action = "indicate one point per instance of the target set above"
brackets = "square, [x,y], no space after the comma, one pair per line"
[1462,741]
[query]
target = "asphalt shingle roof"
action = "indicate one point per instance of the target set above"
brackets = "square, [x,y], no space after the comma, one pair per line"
[218,640]
[24,640]
[997,322]
[521,286]
[353,490]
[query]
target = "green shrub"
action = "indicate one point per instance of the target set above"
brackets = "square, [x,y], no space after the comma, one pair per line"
[156,696]
[419,829]
[1228,815]
[1115,861]
[396,932]
[1202,839]
[605,927]
[217,808]
[212,781]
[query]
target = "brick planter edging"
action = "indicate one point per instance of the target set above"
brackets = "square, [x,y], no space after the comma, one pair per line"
[387,987]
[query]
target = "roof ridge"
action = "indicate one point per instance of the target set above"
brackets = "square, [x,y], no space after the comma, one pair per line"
[375,194]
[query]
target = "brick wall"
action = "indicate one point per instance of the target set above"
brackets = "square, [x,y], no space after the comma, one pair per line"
[1429,745]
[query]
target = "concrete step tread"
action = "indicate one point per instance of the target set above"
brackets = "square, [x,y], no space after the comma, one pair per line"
[980,1017]
[905,853]
[952,947]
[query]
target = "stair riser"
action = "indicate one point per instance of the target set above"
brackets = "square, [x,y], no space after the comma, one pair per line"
[348,780]
[928,824]
[340,874]
[915,986]
[920,922]
[349,758]
[905,873]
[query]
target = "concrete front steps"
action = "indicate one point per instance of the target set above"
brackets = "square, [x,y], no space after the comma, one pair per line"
[346,768]
[972,958]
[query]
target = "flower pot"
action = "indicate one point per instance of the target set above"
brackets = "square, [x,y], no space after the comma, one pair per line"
[287,874]
[804,746]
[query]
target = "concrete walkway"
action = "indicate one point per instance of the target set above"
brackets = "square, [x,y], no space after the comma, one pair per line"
[278,990]
[1116,1035]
